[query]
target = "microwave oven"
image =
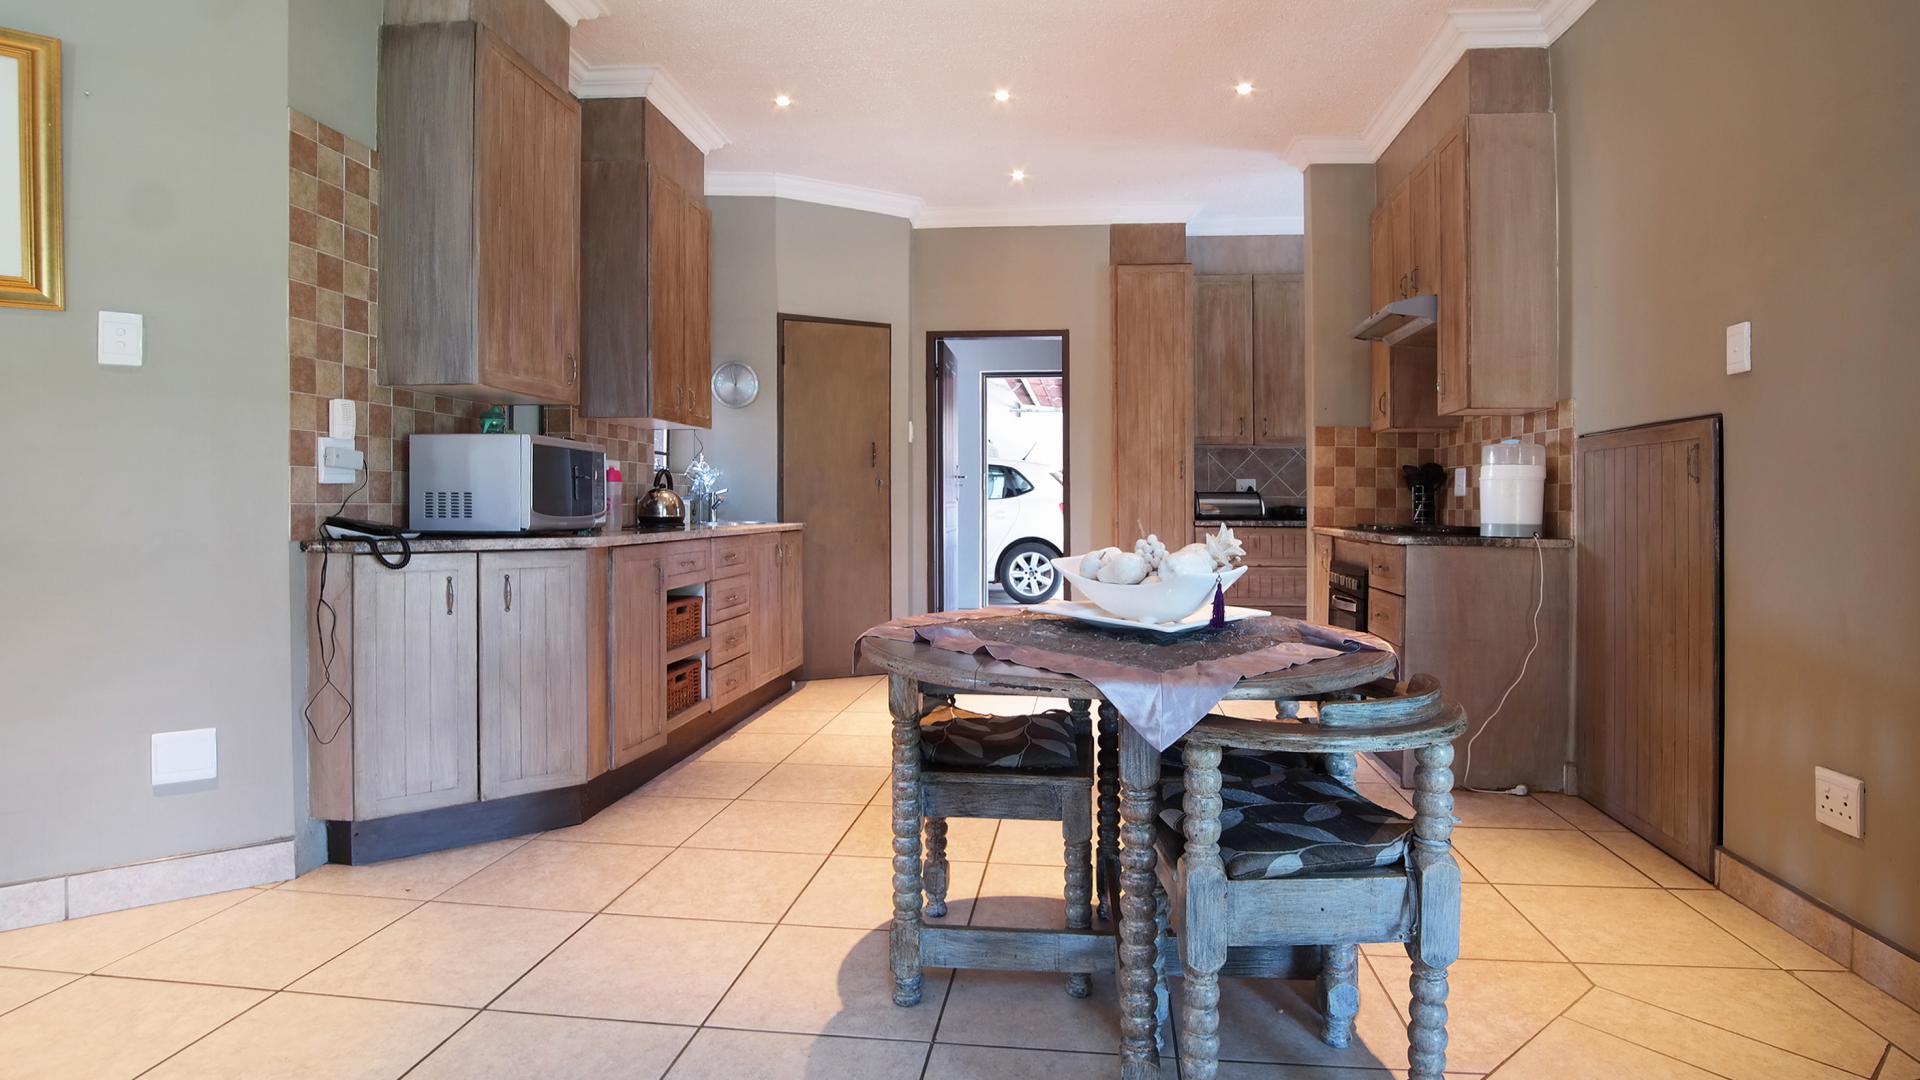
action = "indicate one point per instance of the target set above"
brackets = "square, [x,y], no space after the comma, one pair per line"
[504,484]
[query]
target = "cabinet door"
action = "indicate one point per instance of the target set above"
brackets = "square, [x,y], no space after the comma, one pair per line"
[696,374]
[638,647]
[527,223]
[1223,358]
[533,671]
[793,625]
[1381,288]
[1400,239]
[1279,358]
[1423,229]
[1152,400]
[769,644]
[666,298]
[1450,200]
[414,657]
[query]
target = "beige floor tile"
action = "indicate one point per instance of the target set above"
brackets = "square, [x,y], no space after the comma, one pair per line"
[852,784]
[952,1061]
[707,779]
[737,886]
[836,694]
[1544,857]
[968,839]
[769,747]
[445,954]
[1022,897]
[1493,1006]
[1636,926]
[1651,861]
[856,893]
[1722,1052]
[807,828]
[310,1037]
[1870,1005]
[718,1054]
[89,944]
[644,820]
[1898,1066]
[1031,1010]
[627,967]
[19,986]
[866,725]
[523,1046]
[780,720]
[1273,1020]
[1578,812]
[558,876]
[825,749]
[1477,810]
[1760,935]
[1490,929]
[107,1029]
[266,942]
[818,981]
[1572,1051]
[1769,1006]
[422,877]
[1387,797]
[1034,843]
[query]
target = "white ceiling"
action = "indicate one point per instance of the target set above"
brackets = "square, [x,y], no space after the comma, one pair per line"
[1122,110]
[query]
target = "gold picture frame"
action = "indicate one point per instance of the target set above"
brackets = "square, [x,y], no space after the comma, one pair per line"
[32,240]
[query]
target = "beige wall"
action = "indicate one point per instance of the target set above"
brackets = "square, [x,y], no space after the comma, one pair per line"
[1726,160]
[1053,278]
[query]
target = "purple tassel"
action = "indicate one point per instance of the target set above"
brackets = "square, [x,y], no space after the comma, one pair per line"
[1219,606]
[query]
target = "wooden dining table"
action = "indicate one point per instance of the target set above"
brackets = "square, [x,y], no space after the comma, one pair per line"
[1127,781]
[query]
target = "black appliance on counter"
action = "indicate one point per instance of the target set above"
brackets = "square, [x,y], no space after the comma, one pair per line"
[1347,596]
[1243,506]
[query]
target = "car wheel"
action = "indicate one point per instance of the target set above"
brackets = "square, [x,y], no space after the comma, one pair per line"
[1026,572]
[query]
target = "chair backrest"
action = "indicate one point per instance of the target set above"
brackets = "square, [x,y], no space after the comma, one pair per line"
[1385,705]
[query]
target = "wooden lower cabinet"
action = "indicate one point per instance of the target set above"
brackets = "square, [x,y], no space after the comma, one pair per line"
[793,626]
[637,652]
[779,643]
[1276,561]
[533,671]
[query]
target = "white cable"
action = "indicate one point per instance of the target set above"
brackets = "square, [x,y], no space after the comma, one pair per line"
[1466,771]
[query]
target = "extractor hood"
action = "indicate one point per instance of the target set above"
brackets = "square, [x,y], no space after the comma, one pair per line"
[1403,322]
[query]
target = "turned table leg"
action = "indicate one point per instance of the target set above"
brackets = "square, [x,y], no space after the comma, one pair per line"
[1139,799]
[1203,936]
[935,865]
[1436,937]
[1076,827]
[1107,783]
[903,696]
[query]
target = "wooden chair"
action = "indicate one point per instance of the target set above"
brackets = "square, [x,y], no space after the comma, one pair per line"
[1026,768]
[1371,876]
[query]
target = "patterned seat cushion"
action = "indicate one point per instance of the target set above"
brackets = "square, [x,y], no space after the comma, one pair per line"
[959,739]
[1278,821]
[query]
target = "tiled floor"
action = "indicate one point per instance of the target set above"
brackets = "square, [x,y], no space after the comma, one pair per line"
[724,923]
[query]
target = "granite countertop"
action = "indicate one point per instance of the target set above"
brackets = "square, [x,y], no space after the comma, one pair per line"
[429,543]
[1250,523]
[1437,539]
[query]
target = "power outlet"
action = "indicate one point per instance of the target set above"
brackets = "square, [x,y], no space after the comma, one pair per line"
[1839,801]
[1246,485]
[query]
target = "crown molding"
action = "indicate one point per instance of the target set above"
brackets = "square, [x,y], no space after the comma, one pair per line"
[807,189]
[1229,225]
[1492,28]
[575,11]
[996,217]
[652,82]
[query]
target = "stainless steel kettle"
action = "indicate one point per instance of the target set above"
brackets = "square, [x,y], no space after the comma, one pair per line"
[660,507]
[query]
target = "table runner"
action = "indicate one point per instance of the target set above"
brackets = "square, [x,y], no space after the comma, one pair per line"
[1162,684]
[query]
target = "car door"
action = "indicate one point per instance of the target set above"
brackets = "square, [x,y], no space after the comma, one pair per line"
[1001,511]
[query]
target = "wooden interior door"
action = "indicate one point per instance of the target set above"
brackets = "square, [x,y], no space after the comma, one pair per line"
[835,459]
[1223,358]
[533,671]
[1279,358]
[638,652]
[1648,697]
[1152,401]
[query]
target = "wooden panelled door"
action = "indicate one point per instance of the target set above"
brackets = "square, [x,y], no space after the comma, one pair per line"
[1648,702]
[835,455]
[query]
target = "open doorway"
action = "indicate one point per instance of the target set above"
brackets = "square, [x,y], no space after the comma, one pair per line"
[998,476]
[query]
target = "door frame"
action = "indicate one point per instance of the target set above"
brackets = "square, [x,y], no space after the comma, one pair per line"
[935,430]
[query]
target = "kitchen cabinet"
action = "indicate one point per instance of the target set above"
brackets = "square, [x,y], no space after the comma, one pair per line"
[646,246]
[637,651]
[1153,386]
[533,671]
[778,622]
[793,627]
[1402,377]
[1276,561]
[1280,358]
[480,209]
[1249,359]
[414,642]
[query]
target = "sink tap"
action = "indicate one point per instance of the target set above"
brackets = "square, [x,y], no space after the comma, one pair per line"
[713,506]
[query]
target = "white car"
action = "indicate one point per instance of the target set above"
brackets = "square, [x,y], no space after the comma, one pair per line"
[1025,528]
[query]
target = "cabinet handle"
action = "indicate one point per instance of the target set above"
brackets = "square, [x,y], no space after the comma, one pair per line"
[1413,281]
[509,592]
[1266,426]
[449,594]
[1383,403]
[1239,425]
[660,576]
[1183,468]
[573,369]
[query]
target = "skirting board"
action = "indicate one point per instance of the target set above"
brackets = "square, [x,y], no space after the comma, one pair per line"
[1844,941]
[117,888]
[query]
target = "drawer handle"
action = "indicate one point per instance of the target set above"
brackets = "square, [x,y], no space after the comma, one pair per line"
[449,594]
[509,592]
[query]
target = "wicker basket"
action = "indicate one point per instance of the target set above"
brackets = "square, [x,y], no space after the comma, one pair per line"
[683,620]
[683,685]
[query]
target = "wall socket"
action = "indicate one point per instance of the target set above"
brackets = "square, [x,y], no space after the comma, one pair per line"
[1245,485]
[1839,801]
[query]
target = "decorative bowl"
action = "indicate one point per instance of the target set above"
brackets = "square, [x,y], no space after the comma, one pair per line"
[1165,600]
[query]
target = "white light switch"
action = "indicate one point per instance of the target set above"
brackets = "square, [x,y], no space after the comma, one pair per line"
[336,461]
[121,338]
[1739,348]
[1460,482]
[181,757]
[340,418]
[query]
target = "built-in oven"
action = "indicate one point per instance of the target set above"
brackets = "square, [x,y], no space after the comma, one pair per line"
[1347,596]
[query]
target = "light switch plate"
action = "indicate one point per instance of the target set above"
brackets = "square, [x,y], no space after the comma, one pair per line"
[1740,348]
[122,339]
[1460,482]
[182,757]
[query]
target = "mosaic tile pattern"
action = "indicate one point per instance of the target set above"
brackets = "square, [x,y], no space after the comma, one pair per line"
[1279,471]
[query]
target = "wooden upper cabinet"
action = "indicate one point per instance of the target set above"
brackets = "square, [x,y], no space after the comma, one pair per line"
[1423,231]
[1450,211]
[1223,358]
[1279,358]
[480,219]
[1402,378]
[1399,223]
[1153,388]
[646,250]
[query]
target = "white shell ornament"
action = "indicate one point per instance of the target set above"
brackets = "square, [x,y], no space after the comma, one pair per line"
[1187,563]
[1224,548]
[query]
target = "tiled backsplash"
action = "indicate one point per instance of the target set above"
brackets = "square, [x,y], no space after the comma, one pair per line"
[1356,473]
[1279,471]
[333,350]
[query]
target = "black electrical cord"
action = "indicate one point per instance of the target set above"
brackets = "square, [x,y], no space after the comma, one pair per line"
[327,636]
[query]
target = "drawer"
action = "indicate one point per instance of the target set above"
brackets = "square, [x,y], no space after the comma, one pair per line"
[1270,586]
[686,562]
[1274,547]
[1386,568]
[728,597]
[1386,615]
[727,681]
[734,554]
[730,639]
